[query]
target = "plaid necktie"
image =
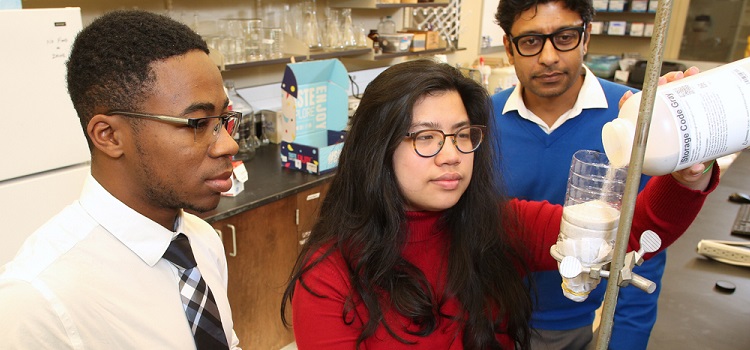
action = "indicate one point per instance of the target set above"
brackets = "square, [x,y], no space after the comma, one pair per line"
[197,299]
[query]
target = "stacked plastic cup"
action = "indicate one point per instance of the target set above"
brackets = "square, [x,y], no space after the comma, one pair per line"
[590,217]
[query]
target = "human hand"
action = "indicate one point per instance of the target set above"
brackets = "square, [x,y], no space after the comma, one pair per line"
[666,78]
[696,177]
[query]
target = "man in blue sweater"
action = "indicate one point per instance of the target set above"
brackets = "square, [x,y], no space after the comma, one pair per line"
[559,107]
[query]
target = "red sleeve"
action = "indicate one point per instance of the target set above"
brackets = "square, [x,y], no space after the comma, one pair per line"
[664,206]
[536,226]
[667,208]
[317,320]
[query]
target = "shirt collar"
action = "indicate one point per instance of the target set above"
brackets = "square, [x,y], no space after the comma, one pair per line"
[143,236]
[590,96]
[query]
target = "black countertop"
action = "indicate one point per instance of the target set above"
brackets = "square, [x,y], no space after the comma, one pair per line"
[267,182]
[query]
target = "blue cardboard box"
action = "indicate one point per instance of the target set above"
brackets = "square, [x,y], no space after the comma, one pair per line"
[315,106]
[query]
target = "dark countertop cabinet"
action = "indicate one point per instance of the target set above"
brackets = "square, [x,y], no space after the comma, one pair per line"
[262,229]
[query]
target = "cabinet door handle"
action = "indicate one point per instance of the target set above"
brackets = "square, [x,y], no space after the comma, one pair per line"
[218,232]
[234,240]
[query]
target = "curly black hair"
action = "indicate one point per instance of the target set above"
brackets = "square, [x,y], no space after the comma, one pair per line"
[509,10]
[110,62]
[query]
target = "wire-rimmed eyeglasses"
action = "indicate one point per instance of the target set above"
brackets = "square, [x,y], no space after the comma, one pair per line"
[228,120]
[428,143]
[564,39]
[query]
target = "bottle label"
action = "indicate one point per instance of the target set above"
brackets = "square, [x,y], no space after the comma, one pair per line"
[712,114]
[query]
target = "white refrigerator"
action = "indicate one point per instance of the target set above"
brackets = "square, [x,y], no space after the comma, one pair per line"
[44,158]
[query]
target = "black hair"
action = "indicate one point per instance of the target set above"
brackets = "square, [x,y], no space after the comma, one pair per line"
[509,10]
[110,61]
[363,217]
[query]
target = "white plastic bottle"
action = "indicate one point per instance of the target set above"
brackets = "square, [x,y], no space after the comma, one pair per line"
[695,119]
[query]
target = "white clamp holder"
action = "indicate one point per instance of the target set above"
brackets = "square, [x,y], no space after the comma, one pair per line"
[571,267]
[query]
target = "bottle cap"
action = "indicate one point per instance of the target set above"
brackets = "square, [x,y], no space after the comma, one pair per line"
[725,287]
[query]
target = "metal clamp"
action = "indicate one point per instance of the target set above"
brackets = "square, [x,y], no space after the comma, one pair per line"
[571,267]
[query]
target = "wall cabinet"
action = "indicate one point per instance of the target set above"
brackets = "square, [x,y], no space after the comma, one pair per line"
[262,245]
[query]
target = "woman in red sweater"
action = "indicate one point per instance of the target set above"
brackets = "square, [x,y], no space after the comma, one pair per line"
[412,250]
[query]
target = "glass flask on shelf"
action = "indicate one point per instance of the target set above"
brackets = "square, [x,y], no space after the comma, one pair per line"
[246,132]
[310,29]
[347,28]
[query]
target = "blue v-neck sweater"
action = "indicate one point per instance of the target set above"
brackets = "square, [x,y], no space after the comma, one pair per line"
[535,166]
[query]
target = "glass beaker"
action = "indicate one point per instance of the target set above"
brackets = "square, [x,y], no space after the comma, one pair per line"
[253,38]
[232,44]
[244,137]
[272,43]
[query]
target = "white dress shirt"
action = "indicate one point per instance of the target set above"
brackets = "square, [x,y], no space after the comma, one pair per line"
[591,95]
[93,278]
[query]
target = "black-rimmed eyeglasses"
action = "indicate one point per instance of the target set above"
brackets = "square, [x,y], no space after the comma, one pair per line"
[564,39]
[428,143]
[229,121]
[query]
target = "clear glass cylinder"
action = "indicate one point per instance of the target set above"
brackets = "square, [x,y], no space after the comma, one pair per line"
[232,40]
[253,34]
[271,45]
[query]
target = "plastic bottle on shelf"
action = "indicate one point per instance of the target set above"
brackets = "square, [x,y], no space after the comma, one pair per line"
[695,119]
[387,26]
[246,132]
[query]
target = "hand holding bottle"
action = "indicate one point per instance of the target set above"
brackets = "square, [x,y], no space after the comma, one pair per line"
[696,119]
[698,175]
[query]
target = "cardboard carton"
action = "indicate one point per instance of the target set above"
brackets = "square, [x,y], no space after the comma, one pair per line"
[314,111]
[239,176]
[423,39]
[419,41]
[432,40]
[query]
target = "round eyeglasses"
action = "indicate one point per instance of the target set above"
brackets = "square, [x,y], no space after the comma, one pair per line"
[229,121]
[428,143]
[564,40]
